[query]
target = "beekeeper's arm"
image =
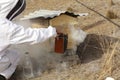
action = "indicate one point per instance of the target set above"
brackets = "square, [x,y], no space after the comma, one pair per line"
[21,35]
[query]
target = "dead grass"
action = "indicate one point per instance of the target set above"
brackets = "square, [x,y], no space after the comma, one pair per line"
[109,47]
[108,60]
[111,15]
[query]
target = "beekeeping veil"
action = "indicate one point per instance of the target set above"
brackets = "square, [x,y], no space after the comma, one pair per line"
[11,8]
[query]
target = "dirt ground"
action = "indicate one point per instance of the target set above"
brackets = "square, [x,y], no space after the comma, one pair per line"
[99,54]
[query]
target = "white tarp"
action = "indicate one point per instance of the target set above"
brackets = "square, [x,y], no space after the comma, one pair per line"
[47,14]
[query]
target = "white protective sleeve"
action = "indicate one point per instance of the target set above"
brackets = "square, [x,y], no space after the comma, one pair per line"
[18,34]
[15,34]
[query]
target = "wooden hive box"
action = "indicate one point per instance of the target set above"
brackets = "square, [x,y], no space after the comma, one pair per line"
[64,22]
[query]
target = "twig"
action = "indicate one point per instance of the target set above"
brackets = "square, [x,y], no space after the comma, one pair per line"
[98,13]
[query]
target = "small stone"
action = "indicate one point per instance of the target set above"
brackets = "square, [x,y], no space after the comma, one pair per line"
[109,78]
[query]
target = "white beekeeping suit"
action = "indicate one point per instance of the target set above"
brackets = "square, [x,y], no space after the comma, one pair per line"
[11,33]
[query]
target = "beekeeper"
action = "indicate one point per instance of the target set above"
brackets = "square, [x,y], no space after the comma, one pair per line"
[11,33]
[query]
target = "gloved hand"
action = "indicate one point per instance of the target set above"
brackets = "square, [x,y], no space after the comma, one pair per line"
[59,30]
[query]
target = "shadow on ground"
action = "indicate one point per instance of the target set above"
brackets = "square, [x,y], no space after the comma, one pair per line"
[94,47]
